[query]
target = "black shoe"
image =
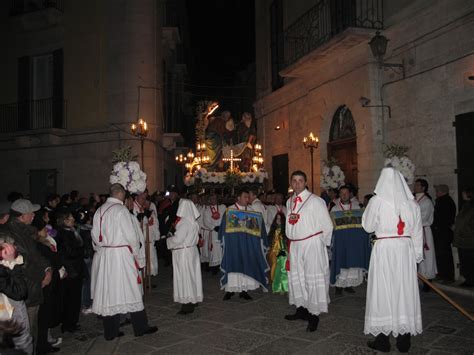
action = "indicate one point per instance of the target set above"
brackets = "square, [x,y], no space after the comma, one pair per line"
[338,291]
[381,343]
[403,343]
[466,284]
[215,270]
[227,296]
[186,308]
[47,350]
[349,290]
[245,296]
[301,313]
[150,330]
[313,321]
[120,334]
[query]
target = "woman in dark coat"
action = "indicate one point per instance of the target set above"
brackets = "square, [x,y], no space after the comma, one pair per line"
[71,249]
[49,313]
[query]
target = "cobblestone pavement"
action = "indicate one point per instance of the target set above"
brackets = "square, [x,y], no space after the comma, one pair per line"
[257,326]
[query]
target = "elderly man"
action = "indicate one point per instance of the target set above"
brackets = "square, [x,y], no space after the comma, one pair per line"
[393,299]
[115,275]
[36,270]
[309,230]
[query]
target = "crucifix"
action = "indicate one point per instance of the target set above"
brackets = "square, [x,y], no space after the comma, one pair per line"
[231,159]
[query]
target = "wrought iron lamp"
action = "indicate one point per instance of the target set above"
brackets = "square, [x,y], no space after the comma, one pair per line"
[311,142]
[378,46]
[140,130]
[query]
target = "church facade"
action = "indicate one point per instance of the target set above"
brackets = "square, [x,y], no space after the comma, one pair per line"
[316,73]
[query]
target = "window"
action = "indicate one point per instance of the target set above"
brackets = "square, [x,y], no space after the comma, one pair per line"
[42,77]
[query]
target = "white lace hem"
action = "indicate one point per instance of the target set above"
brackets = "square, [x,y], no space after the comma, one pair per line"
[118,309]
[394,329]
[352,277]
[188,299]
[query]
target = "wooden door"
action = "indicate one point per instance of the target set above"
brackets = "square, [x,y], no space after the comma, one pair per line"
[464,147]
[345,152]
[280,173]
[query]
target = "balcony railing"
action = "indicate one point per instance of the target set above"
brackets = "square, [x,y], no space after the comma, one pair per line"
[32,115]
[19,7]
[324,21]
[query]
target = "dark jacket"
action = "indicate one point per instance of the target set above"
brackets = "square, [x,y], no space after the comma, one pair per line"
[12,283]
[444,213]
[35,264]
[464,227]
[71,250]
[168,217]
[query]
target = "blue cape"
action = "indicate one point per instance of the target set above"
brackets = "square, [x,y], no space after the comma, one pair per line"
[244,242]
[351,245]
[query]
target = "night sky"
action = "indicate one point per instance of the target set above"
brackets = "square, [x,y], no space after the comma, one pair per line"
[221,43]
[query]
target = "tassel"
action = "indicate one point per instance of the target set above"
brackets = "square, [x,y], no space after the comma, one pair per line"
[400,226]
[139,280]
[100,238]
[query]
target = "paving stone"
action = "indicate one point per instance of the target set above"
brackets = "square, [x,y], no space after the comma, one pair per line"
[329,347]
[134,347]
[190,347]
[454,343]
[235,340]
[258,326]
[162,339]
[285,345]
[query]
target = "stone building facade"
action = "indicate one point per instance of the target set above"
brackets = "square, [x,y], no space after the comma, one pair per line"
[75,75]
[315,68]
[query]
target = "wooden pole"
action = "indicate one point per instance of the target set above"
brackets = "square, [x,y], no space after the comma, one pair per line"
[446,297]
[147,258]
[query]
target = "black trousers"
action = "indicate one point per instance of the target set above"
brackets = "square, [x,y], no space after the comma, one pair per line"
[72,299]
[162,251]
[443,237]
[112,324]
[466,259]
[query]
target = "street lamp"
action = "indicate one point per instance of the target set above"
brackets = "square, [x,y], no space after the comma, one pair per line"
[311,142]
[140,130]
[378,46]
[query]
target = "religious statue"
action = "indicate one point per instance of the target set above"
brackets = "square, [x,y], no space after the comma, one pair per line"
[246,134]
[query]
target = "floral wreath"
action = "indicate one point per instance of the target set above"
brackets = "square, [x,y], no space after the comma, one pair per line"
[127,172]
[332,176]
[396,157]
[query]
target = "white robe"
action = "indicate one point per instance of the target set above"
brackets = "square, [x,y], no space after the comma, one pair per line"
[187,279]
[153,234]
[308,278]
[258,206]
[114,275]
[353,276]
[427,267]
[204,248]
[393,300]
[236,281]
[214,247]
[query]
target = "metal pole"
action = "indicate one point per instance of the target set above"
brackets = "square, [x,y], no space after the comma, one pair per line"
[312,174]
[142,141]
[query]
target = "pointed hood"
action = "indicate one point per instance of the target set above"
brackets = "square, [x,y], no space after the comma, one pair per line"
[392,188]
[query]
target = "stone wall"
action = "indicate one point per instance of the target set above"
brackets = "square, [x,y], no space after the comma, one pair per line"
[432,38]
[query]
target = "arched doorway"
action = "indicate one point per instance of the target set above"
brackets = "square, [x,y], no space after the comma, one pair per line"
[342,143]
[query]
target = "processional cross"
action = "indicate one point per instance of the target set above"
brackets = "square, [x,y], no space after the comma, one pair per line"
[231,159]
